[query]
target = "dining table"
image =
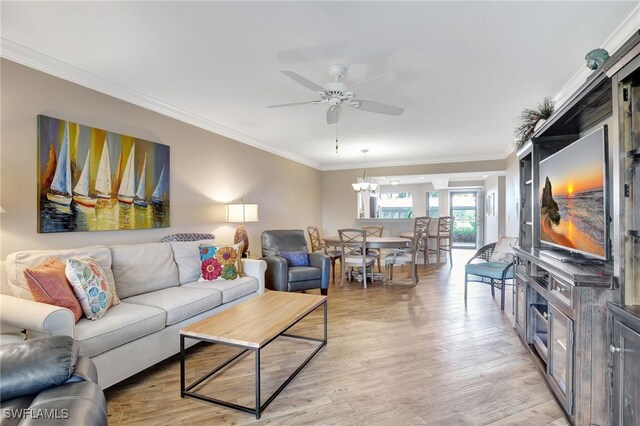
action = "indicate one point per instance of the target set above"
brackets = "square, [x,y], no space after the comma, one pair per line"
[374,242]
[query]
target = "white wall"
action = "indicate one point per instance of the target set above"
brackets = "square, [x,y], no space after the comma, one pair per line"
[512,196]
[491,229]
[207,170]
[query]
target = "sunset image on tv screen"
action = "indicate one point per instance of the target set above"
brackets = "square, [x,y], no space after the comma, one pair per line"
[572,203]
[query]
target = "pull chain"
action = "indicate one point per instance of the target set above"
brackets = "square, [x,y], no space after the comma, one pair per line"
[336,137]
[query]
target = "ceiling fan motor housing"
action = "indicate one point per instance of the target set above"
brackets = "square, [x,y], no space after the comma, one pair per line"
[335,93]
[337,71]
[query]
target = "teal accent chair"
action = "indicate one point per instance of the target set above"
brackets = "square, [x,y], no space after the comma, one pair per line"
[497,274]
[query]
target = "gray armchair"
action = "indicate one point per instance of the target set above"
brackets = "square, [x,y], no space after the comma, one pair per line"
[282,277]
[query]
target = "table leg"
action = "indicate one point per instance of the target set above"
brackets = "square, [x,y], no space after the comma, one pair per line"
[257,351]
[182,361]
[325,322]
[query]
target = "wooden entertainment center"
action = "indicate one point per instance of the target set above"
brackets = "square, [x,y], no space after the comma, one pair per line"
[580,317]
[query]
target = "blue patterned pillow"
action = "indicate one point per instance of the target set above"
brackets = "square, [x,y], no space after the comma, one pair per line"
[295,258]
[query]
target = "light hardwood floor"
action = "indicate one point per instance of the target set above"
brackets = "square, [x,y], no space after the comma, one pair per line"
[396,355]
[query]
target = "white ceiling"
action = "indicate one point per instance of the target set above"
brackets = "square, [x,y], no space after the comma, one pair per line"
[464,69]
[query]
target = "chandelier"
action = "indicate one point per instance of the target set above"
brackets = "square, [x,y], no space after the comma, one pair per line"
[363,183]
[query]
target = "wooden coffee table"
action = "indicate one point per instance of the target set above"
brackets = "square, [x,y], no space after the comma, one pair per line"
[252,325]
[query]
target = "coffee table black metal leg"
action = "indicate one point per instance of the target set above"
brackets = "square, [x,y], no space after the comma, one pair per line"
[257,383]
[325,322]
[182,378]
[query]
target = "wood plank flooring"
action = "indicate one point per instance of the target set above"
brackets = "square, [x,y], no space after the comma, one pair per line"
[397,355]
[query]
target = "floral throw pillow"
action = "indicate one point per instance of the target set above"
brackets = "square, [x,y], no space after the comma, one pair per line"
[90,286]
[220,262]
[295,258]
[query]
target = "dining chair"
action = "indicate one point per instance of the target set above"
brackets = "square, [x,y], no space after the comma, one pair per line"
[374,231]
[423,222]
[317,244]
[407,256]
[353,243]
[443,238]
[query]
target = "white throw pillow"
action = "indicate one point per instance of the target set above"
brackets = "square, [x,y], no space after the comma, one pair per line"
[503,252]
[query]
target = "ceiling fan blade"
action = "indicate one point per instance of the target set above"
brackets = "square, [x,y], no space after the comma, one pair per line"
[302,80]
[333,115]
[296,103]
[376,82]
[373,106]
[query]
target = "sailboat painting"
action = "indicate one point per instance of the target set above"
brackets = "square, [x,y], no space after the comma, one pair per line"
[91,179]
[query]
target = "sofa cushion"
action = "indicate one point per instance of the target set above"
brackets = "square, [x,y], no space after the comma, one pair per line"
[230,289]
[121,324]
[17,262]
[488,269]
[141,268]
[187,256]
[180,303]
[304,273]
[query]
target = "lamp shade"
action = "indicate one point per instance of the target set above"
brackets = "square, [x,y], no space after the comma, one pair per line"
[242,212]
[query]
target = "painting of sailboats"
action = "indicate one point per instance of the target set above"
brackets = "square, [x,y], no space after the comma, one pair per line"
[60,189]
[140,197]
[81,189]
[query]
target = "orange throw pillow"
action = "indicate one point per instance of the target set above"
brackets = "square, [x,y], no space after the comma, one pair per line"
[48,284]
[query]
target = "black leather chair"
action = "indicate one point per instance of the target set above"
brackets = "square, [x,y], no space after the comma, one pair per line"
[44,381]
[280,276]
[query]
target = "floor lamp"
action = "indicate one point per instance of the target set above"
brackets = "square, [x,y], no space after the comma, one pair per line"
[242,213]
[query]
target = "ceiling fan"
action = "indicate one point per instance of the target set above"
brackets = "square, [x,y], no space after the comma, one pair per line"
[336,94]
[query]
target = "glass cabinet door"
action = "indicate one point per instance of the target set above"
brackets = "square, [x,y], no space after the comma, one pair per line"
[626,389]
[560,366]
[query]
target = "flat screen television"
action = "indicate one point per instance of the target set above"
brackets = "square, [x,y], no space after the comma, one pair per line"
[574,207]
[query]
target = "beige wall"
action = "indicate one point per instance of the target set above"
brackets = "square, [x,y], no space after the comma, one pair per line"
[339,201]
[207,170]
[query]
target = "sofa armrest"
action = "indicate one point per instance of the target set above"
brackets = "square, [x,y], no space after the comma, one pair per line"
[320,260]
[255,268]
[85,371]
[277,274]
[35,316]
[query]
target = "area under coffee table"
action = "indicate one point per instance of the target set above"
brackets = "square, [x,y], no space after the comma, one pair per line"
[252,325]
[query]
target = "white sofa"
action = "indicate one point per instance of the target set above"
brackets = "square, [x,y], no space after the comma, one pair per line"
[159,291]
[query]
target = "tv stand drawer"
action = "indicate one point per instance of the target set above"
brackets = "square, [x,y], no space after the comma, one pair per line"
[562,291]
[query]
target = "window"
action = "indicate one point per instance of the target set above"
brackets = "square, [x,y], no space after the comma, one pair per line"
[433,208]
[396,205]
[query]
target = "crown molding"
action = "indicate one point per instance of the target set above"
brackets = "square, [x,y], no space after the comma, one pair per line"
[619,36]
[414,162]
[44,63]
